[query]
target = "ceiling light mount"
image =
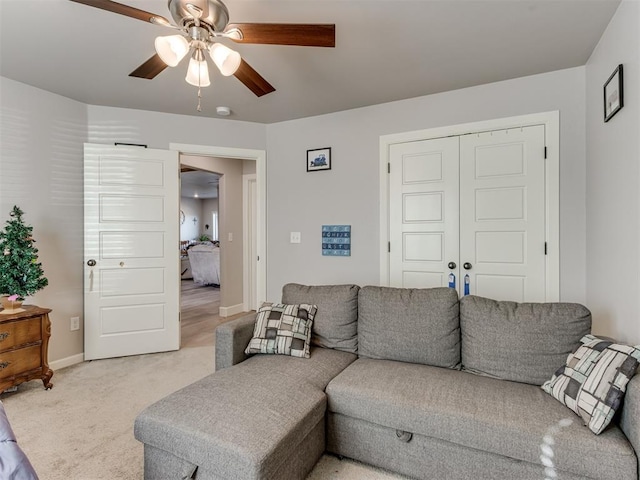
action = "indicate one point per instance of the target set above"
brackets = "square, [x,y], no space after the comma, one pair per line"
[223,111]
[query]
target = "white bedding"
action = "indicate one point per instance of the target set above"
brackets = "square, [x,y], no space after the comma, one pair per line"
[205,264]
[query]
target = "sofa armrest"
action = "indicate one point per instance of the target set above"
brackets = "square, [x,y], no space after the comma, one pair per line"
[630,418]
[232,339]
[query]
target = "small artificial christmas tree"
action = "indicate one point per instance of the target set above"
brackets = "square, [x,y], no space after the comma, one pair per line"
[20,272]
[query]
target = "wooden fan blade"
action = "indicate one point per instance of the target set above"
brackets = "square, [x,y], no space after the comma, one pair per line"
[306,35]
[125,10]
[150,68]
[253,80]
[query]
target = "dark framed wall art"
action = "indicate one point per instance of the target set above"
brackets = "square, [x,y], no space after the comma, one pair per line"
[319,159]
[613,94]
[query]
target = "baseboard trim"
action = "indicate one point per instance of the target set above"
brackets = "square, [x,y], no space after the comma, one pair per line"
[66,362]
[232,310]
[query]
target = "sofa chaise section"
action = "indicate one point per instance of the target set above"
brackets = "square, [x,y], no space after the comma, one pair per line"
[261,419]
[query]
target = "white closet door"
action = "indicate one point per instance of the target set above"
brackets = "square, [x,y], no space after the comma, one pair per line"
[502,213]
[423,212]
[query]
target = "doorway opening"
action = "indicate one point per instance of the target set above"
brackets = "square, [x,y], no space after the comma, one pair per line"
[223,272]
[199,256]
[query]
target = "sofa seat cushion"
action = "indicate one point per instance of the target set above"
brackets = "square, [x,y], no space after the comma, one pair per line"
[243,422]
[497,416]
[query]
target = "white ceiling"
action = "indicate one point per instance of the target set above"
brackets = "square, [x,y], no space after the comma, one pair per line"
[199,184]
[386,50]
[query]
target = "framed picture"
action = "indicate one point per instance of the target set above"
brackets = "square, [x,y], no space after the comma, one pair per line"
[336,240]
[613,94]
[319,159]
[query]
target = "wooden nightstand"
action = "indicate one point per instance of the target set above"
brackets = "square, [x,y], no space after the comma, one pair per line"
[24,344]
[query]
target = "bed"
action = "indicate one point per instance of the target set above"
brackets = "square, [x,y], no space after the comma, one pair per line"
[204,260]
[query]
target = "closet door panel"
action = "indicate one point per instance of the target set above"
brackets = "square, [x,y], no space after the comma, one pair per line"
[423,212]
[502,213]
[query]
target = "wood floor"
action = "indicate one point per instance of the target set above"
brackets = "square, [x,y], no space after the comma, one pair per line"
[199,314]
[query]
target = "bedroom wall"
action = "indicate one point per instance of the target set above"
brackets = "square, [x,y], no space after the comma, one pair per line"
[192,208]
[299,201]
[209,206]
[41,165]
[613,182]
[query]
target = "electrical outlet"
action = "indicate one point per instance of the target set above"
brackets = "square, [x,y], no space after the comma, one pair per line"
[295,237]
[75,323]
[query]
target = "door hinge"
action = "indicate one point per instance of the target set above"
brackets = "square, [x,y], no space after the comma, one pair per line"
[545,153]
[545,248]
[389,247]
[389,167]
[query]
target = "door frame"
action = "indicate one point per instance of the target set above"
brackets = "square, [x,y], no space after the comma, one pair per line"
[551,122]
[260,157]
[247,210]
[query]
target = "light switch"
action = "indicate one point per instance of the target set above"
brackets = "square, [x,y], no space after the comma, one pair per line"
[295,237]
[230,237]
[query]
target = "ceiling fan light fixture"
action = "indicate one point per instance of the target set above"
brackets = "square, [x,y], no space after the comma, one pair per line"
[226,60]
[198,72]
[172,49]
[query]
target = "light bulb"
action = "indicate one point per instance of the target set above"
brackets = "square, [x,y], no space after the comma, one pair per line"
[198,73]
[226,60]
[172,49]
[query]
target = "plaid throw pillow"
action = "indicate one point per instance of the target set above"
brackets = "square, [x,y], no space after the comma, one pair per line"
[594,379]
[283,329]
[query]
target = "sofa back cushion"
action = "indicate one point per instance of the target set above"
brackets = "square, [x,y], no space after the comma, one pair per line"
[523,342]
[409,325]
[336,322]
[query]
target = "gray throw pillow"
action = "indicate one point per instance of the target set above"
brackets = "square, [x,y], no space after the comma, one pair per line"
[410,325]
[336,322]
[522,342]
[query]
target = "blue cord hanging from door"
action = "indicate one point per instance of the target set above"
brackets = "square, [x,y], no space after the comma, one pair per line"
[467,280]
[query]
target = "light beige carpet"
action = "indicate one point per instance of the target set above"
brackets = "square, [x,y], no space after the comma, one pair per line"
[82,429]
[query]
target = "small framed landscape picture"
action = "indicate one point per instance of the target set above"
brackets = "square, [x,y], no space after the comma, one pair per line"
[613,98]
[319,159]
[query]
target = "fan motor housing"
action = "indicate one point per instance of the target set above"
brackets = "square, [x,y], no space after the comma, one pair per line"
[214,13]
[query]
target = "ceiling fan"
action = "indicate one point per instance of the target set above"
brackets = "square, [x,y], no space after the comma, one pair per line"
[200,23]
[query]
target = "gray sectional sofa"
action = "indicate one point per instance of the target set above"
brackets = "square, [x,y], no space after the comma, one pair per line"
[410,380]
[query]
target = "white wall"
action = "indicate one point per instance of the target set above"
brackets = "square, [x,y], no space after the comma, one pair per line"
[613,182]
[41,165]
[349,192]
[192,208]
[209,206]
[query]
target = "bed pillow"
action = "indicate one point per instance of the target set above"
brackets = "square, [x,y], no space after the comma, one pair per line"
[283,329]
[594,379]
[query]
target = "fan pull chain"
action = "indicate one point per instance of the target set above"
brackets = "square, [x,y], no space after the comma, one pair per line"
[199,100]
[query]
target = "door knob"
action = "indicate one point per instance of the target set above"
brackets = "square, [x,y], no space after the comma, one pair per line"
[452,265]
[467,266]
[91,263]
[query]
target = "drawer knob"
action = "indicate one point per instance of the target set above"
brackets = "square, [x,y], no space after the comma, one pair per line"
[4,365]
[3,336]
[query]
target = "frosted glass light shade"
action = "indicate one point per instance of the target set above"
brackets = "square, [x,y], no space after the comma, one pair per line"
[226,60]
[198,73]
[172,49]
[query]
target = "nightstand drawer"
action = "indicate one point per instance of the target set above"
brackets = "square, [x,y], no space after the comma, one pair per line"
[13,334]
[19,361]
